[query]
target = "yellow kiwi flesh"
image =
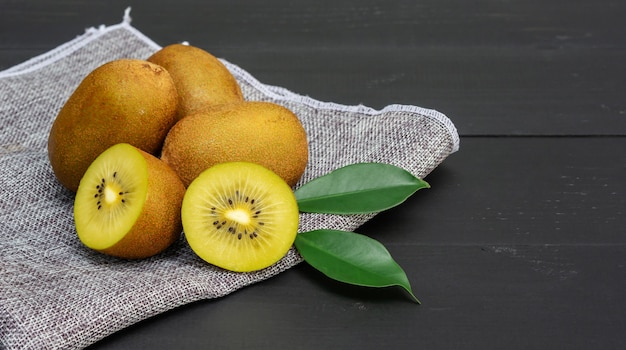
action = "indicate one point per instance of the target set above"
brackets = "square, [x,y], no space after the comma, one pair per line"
[240,216]
[128,204]
[126,100]
[201,79]
[259,132]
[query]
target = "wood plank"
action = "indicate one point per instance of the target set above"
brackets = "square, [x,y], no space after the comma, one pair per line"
[364,23]
[517,191]
[485,91]
[490,297]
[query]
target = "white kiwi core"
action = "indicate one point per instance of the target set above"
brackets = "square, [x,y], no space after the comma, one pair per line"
[241,216]
[111,194]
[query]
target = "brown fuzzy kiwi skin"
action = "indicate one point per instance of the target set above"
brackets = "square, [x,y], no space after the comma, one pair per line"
[159,225]
[125,100]
[201,79]
[260,132]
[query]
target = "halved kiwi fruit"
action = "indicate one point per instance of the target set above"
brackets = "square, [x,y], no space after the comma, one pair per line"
[240,216]
[128,204]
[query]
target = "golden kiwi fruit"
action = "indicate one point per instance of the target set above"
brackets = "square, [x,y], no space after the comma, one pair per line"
[259,132]
[240,216]
[128,204]
[201,79]
[125,100]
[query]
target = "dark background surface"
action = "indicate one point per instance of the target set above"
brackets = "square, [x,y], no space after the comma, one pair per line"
[520,242]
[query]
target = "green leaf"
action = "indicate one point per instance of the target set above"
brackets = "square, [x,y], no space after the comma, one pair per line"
[351,258]
[358,188]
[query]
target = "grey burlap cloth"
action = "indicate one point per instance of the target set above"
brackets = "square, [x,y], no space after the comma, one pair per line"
[54,293]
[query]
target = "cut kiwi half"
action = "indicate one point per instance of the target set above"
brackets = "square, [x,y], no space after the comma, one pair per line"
[240,216]
[128,204]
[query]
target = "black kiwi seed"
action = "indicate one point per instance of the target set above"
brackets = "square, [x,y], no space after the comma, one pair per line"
[230,201]
[239,235]
[114,173]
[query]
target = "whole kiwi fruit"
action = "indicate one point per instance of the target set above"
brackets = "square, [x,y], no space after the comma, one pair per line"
[201,79]
[125,100]
[265,133]
[128,204]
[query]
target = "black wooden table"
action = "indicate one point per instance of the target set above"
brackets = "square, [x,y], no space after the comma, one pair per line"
[520,242]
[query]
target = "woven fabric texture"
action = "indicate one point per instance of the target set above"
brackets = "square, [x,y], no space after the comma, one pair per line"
[55,293]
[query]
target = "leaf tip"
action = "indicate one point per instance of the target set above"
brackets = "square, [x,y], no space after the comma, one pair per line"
[413,297]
